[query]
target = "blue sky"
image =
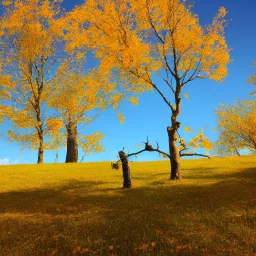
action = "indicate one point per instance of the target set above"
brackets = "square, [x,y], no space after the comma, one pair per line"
[151,117]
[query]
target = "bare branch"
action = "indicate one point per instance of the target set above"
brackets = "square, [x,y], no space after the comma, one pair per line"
[194,154]
[155,87]
[152,25]
[51,64]
[168,83]
[167,64]
[150,149]
[164,98]
[136,153]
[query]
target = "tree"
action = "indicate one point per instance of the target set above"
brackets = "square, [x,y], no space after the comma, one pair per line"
[31,47]
[237,126]
[79,95]
[142,39]
[226,145]
[252,80]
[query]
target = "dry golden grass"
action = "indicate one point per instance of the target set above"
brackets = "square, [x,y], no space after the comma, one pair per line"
[80,209]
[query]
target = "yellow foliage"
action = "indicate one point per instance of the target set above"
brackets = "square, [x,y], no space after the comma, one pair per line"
[120,28]
[132,40]
[200,141]
[252,80]
[91,143]
[237,125]
[30,47]
[137,40]
[133,100]
[54,125]
[187,129]
[121,118]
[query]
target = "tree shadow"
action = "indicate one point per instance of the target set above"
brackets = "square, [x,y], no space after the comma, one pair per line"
[128,219]
[51,200]
[74,193]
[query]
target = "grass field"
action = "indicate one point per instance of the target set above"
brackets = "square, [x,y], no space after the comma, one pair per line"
[80,209]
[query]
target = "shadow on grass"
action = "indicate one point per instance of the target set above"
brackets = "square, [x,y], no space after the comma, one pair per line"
[244,174]
[74,193]
[52,200]
[130,220]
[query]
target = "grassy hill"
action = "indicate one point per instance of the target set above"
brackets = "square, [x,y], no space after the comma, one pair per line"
[80,209]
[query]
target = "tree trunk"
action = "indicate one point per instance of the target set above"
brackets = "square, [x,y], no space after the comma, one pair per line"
[40,155]
[237,152]
[72,147]
[175,156]
[126,170]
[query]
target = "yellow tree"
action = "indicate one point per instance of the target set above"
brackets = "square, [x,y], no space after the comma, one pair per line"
[237,127]
[140,40]
[252,80]
[31,50]
[79,100]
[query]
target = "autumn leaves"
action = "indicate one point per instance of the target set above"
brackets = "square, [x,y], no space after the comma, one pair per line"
[237,127]
[45,90]
[131,42]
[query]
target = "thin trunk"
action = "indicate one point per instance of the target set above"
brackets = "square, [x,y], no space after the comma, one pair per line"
[40,158]
[40,130]
[175,157]
[126,170]
[236,151]
[72,147]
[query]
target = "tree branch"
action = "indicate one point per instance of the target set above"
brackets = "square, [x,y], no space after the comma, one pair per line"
[162,95]
[194,154]
[149,148]
[151,23]
[155,87]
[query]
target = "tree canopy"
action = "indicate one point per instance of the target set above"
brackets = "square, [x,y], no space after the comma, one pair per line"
[252,80]
[237,127]
[47,90]
[35,62]
[142,40]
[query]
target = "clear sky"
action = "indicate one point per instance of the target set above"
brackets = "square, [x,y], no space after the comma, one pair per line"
[151,117]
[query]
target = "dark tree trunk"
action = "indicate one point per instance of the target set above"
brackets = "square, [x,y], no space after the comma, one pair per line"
[40,155]
[126,170]
[175,156]
[72,147]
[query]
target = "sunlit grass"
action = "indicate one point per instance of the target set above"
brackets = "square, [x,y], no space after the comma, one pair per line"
[80,209]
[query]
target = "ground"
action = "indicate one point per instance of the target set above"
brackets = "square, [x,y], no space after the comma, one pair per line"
[80,209]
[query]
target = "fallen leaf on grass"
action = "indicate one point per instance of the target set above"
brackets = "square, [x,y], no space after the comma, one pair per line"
[184,247]
[172,241]
[143,247]
[77,249]
[53,252]
[178,248]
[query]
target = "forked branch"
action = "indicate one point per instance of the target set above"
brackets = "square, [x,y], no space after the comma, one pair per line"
[149,148]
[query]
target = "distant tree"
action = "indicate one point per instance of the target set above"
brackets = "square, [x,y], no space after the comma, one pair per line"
[79,100]
[237,127]
[226,145]
[142,40]
[42,83]
[252,80]
[31,49]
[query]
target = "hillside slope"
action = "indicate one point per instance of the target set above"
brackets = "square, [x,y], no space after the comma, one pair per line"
[80,209]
